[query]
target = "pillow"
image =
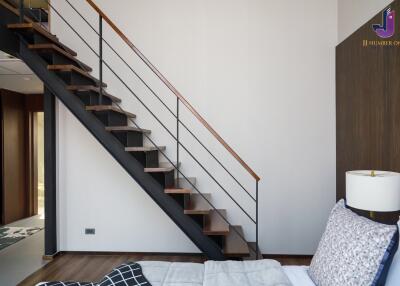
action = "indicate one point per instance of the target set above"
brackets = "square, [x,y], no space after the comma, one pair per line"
[353,250]
[393,278]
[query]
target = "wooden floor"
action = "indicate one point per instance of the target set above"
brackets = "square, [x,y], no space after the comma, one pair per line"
[90,267]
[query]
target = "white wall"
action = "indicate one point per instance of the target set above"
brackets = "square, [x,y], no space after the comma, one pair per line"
[352,14]
[261,72]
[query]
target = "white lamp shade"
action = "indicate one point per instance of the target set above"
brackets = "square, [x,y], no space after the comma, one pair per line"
[380,193]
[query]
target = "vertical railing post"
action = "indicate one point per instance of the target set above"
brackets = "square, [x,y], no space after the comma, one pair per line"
[101,59]
[21,11]
[177,142]
[257,247]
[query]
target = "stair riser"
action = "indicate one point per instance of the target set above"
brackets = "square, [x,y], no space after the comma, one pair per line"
[33,38]
[53,58]
[37,39]
[130,139]
[184,201]
[147,159]
[166,179]
[179,198]
[74,78]
[38,15]
[199,219]
[111,118]
[90,98]
[219,239]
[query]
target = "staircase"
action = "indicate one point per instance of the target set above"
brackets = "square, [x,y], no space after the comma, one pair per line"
[71,81]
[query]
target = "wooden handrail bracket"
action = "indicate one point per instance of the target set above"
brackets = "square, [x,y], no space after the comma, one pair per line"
[173,89]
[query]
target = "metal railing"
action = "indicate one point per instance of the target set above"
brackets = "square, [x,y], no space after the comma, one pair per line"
[179,123]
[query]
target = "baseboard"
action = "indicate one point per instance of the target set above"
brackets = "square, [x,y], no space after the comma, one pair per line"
[266,256]
[132,253]
[50,257]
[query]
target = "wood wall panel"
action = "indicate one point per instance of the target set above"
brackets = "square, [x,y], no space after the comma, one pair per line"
[18,193]
[368,104]
[14,156]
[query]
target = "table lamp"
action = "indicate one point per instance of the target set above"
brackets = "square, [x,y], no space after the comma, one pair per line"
[373,191]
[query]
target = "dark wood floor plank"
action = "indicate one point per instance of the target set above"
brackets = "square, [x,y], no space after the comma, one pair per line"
[92,267]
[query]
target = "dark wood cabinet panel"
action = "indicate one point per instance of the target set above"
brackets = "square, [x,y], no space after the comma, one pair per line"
[14,156]
[368,104]
[18,191]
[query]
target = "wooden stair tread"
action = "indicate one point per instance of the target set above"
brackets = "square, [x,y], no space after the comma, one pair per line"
[109,108]
[163,167]
[235,246]
[177,191]
[94,89]
[54,47]
[72,68]
[127,128]
[181,186]
[39,29]
[198,205]
[215,224]
[144,149]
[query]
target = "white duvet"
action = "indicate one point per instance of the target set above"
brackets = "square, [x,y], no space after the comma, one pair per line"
[215,273]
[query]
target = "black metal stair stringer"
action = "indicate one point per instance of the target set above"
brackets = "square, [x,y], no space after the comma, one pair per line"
[154,189]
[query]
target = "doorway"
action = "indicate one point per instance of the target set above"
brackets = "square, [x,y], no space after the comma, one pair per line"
[22,158]
[40,166]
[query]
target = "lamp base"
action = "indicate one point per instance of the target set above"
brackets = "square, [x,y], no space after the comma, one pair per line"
[372,215]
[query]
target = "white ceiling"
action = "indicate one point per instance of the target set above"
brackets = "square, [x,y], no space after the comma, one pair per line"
[15,75]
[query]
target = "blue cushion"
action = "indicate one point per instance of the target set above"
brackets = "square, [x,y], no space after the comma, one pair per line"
[381,275]
[353,250]
[393,278]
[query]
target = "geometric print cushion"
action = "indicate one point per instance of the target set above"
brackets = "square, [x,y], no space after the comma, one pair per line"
[127,274]
[353,251]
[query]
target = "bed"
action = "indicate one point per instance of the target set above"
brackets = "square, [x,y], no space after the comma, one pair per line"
[353,251]
[193,274]
[297,275]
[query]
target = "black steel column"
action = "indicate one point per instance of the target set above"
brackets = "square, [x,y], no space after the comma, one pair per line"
[50,189]
[101,58]
[177,142]
[21,11]
[257,247]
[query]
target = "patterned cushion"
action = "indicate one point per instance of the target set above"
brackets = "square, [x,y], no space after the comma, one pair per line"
[352,249]
[127,274]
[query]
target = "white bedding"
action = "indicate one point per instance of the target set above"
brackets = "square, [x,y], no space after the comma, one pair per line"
[298,275]
[229,273]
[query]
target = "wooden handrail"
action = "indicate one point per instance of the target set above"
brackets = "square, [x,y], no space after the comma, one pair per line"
[173,89]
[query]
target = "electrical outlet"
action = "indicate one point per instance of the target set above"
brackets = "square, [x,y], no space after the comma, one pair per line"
[90,231]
